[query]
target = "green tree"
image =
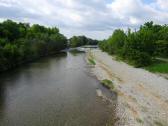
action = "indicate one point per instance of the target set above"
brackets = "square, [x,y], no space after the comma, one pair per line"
[20,43]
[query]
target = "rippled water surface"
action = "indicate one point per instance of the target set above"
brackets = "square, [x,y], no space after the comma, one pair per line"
[55,91]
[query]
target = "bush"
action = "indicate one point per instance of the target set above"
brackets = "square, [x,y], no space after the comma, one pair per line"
[91,61]
[137,58]
[161,48]
[138,47]
[108,83]
[20,43]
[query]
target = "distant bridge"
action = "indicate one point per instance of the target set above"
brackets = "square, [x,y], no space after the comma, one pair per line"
[89,46]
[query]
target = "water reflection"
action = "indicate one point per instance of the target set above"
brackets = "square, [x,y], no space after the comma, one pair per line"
[54,91]
[2,100]
[75,52]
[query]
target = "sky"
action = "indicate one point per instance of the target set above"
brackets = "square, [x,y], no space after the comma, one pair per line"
[94,18]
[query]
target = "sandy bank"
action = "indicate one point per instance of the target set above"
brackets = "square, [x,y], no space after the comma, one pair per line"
[142,96]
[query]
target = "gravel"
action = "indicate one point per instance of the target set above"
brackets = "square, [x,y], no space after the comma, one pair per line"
[142,96]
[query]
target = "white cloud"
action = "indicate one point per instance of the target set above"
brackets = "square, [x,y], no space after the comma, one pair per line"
[163,4]
[135,12]
[95,18]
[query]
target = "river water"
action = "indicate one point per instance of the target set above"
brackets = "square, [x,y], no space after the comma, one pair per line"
[54,91]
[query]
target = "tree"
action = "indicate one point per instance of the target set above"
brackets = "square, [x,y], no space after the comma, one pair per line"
[20,43]
[77,41]
[162,48]
[116,41]
[138,47]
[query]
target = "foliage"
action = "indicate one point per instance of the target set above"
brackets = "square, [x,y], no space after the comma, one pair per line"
[108,84]
[138,47]
[158,123]
[139,120]
[91,61]
[116,41]
[77,41]
[161,48]
[20,43]
[104,45]
[158,66]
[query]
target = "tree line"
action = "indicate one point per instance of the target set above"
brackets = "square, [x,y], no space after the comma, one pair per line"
[77,41]
[20,43]
[138,47]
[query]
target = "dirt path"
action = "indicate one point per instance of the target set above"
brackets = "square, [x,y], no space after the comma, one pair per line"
[142,96]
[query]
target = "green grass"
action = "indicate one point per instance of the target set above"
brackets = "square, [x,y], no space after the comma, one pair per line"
[158,123]
[139,120]
[158,66]
[108,83]
[92,61]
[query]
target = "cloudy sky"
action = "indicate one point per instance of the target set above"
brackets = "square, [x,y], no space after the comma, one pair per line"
[94,18]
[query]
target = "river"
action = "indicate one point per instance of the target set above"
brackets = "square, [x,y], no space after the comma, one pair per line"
[53,91]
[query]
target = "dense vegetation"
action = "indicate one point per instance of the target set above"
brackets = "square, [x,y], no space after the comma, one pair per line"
[158,66]
[77,41]
[139,47]
[20,43]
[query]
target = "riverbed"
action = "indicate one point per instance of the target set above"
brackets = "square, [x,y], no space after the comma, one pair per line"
[54,91]
[142,95]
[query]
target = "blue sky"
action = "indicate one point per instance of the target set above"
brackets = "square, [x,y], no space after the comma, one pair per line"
[148,1]
[93,18]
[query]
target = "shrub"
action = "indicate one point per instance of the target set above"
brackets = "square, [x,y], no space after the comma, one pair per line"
[92,61]
[108,84]
[137,58]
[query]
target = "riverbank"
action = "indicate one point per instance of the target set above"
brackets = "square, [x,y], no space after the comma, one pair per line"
[142,96]
[28,61]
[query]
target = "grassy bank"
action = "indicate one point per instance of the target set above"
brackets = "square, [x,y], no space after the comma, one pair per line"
[91,61]
[108,84]
[158,66]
